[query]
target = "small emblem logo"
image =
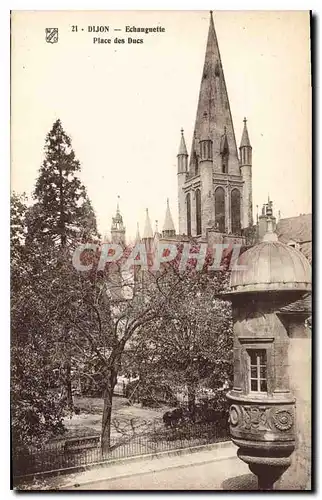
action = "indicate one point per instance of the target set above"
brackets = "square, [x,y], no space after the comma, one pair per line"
[51,35]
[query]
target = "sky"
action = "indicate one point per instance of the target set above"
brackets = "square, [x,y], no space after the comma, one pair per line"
[123,105]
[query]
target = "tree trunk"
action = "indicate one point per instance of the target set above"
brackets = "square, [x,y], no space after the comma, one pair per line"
[68,372]
[192,401]
[69,392]
[66,385]
[62,226]
[107,409]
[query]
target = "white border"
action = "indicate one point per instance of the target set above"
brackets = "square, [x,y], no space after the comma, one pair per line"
[5,167]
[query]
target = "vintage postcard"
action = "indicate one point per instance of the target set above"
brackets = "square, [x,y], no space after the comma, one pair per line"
[161,250]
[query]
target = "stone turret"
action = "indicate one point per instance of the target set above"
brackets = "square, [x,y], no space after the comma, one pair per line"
[118,228]
[182,159]
[272,352]
[246,171]
[168,226]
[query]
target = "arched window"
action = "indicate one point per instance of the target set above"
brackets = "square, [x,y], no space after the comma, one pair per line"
[188,202]
[235,212]
[220,209]
[198,211]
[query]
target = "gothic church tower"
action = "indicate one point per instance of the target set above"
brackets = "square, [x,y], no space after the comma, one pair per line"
[214,185]
[118,228]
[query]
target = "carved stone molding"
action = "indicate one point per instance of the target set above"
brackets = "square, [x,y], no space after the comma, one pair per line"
[260,418]
[283,419]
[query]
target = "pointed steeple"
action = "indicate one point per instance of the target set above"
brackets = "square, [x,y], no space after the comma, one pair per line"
[137,237]
[118,228]
[213,112]
[168,226]
[147,233]
[157,236]
[245,153]
[182,147]
[117,221]
[182,156]
[245,142]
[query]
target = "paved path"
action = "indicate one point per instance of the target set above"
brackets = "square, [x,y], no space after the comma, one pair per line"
[207,469]
[206,476]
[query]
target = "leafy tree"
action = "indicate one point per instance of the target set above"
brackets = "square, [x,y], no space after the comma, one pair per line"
[35,410]
[104,324]
[175,315]
[191,343]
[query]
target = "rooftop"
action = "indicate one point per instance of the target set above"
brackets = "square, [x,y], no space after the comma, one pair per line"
[271,265]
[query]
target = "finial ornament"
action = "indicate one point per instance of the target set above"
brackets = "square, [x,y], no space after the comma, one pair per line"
[245,120]
[182,131]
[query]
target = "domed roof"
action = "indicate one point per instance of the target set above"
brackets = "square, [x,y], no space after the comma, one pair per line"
[271,265]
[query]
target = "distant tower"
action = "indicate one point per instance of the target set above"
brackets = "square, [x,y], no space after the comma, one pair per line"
[148,232]
[246,171]
[118,228]
[137,237]
[182,175]
[157,236]
[210,191]
[148,237]
[168,226]
[115,279]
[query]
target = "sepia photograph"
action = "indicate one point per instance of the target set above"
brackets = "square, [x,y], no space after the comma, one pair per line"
[161,250]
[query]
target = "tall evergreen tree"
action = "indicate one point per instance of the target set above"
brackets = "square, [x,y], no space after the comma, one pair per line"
[62,213]
[61,217]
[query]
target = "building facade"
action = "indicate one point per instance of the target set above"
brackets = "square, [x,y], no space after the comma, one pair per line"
[215,182]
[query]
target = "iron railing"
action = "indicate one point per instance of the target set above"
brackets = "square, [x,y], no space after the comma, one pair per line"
[85,450]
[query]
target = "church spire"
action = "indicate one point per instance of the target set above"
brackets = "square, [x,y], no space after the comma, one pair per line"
[182,147]
[213,112]
[245,151]
[118,228]
[168,226]
[245,142]
[137,237]
[147,233]
[182,156]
